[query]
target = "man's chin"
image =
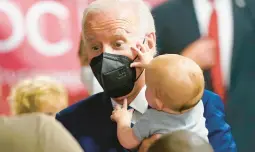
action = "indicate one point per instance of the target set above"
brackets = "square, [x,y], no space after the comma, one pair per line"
[120,99]
[129,95]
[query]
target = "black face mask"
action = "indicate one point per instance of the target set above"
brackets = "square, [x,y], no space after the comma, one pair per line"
[114,74]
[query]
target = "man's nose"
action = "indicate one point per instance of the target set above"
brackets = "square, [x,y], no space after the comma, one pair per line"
[107,49]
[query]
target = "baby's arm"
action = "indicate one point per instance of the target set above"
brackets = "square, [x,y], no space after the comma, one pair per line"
[125,133]
[126,136]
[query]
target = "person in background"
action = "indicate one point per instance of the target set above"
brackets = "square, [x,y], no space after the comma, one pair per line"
[181,141]
[110,28]
[222,35]
[39,94]
[87,76]
[174,105]
[35,132]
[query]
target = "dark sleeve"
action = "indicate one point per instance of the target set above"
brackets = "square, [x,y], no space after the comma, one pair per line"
[220,136]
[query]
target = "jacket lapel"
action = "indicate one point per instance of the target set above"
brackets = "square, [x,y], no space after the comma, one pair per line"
[112,129]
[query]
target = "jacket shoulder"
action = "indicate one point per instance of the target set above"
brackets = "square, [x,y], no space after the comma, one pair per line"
[80,108]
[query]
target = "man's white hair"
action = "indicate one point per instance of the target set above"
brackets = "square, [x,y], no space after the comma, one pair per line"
[140,8]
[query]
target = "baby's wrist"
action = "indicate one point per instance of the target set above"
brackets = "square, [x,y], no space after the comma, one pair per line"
[124,123]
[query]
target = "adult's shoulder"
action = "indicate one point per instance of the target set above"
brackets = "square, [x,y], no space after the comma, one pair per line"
[81,108]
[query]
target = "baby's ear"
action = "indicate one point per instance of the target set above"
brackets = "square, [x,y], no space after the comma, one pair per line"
[158,98]
[159,104]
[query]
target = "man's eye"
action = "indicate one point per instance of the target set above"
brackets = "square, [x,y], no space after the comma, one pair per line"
[95,48]
[118,44]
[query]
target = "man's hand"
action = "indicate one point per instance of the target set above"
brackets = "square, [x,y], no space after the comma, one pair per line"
[122,115]
[202,52]
[144,56]
[147,142]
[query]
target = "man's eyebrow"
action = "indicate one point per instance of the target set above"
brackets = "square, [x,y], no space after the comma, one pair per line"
[117,33]
[121,34]
[90,38]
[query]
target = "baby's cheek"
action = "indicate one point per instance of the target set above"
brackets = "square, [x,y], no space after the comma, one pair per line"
[149,97]
[150,101]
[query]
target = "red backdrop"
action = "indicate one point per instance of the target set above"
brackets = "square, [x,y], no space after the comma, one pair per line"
[41,37]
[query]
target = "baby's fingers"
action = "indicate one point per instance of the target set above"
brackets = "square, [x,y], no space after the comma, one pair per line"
[137,51]
[112,117]
[117,107]
[142,47]
[131,111]
[136,65]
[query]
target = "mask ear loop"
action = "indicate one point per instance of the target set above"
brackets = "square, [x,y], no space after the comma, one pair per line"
[134,60]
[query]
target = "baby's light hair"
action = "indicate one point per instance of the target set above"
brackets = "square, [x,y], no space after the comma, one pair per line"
[29,95]
[178,81]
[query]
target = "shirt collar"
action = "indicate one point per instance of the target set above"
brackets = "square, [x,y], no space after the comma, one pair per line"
[140,103]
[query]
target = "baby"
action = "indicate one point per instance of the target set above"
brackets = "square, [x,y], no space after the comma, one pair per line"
[175,85]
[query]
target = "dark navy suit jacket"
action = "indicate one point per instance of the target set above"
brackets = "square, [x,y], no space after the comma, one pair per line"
[89,122]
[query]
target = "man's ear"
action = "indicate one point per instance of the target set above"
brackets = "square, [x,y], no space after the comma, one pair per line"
[151,40]
[83,56]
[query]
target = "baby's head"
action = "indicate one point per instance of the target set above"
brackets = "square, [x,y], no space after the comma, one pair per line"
[174,83]
[181,141]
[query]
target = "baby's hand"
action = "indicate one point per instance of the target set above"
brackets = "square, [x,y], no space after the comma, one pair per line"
[144,56]
[122,115]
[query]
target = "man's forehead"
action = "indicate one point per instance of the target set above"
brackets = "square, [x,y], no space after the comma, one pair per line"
[119,32]
[116,22]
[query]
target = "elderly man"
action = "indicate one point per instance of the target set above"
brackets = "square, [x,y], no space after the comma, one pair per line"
[109,32]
